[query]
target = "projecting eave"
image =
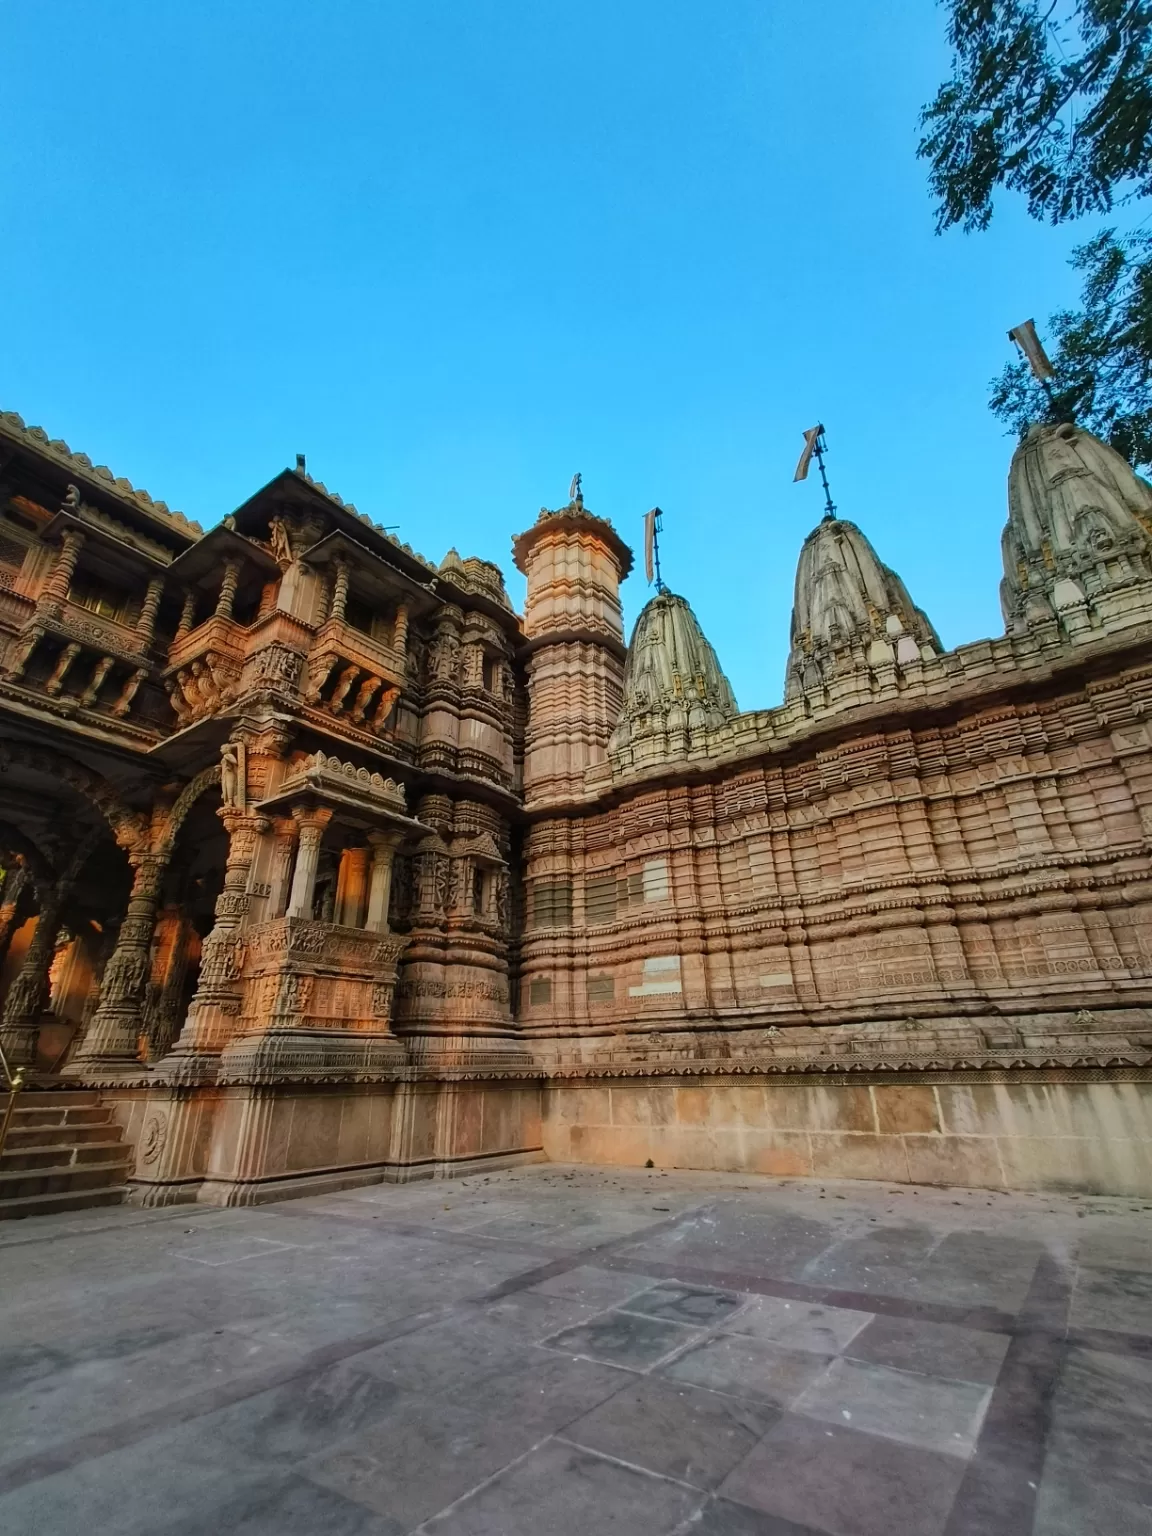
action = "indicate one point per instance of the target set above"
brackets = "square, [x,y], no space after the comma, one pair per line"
[293,491]
[220,544]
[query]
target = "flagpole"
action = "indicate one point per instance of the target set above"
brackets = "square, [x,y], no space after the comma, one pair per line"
[656,548]
[652,524]
[829,505]
[816,444]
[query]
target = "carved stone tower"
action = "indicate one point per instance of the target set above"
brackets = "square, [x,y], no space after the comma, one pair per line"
[574,563]
[1078,542]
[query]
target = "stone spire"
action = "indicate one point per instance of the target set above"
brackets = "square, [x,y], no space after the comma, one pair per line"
[853,622]
[1078,542]
[574,563]
[674,690]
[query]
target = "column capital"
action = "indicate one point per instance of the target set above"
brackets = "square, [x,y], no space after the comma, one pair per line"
[308,817]
[382,839]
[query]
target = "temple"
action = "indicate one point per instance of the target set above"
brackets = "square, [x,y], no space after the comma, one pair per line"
[322,866]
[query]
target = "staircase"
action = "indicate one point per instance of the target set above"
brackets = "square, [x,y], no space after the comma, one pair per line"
[64,1152]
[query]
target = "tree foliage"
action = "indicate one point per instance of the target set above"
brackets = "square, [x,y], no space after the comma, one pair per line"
[1102,353]
[1052,100]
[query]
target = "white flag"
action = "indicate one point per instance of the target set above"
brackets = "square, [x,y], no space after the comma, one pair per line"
[650,542]
[811,438]
[1032,347]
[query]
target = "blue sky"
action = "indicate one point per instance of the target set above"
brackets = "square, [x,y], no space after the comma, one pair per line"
[454,250]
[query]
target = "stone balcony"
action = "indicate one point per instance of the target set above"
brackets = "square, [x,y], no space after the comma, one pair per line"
[354,676]
[63,652]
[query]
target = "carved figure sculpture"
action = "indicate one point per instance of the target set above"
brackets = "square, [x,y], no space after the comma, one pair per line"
[279,541]
[230,788]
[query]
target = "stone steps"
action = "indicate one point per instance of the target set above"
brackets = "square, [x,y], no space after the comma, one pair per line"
[64,1152]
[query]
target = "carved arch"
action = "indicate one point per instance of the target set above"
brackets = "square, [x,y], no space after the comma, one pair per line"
[45,875]
[40,869]
[128,827]
[183,804]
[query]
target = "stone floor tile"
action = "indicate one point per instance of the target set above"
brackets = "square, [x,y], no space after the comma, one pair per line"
[723,1517]
[923,1411]
[303,1417]
[1074,1500]
[1117,1249]
[363,1361]
[934,1349]
[623,1338]
[884,1261]
[841,1481]
[798,1324]
[137,1491]
[438,1449]
[749,1368]
[1095,1387]
[980,1269]
[780,1245]
[596,1287]
[674,1429]
[233,1248]
[71,1401]
[567,1491]
[1119,1299]
[694,1304]
[286,1506]
[446,1353]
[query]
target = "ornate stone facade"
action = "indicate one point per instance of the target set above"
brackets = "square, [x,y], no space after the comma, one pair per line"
[324,866]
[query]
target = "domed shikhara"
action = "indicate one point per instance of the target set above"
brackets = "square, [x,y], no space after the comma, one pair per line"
[1078,540]
[674,690]
[851,615]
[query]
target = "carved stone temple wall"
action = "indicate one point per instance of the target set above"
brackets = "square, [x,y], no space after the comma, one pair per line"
[323,866]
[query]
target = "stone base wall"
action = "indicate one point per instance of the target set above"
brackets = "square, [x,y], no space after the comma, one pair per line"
[1036,1132]
[247,1145]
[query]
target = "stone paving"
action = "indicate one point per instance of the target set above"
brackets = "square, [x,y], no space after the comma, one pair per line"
[561,1351]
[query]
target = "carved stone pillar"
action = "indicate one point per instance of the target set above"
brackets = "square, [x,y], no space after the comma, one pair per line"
[352,888]
[384,846]
[187,614]
[280,868]
[28,995]
[15,884]
[228,587]
[146,623]
[162,1014]
[112,1038]
[56,587]
[124,703]
[99,672]
[63,665]
[400,629]
[216,1005]
[339,591]
[311,824]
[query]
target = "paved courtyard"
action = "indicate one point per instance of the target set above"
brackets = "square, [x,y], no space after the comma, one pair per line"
[581,1351]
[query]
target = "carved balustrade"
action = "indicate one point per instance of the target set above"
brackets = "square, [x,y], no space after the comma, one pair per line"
[70,655]
[354,676]
[204,667]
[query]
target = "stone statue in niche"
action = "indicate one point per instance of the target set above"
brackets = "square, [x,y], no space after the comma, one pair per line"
[445,656]
[279,541]
[232,775]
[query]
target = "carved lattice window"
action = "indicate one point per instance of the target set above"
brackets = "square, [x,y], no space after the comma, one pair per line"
[600,899]
[107,602]
[551,904]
